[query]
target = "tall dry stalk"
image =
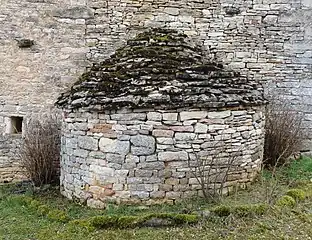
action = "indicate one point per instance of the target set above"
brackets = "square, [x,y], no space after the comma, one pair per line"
[284,134]
[40,149]
[212,175]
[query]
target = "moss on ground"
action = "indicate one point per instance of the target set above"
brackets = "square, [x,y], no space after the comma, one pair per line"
[243,215]
[286,201]
[297,194]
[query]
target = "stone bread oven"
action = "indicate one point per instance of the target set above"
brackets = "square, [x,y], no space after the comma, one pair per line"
[137,123]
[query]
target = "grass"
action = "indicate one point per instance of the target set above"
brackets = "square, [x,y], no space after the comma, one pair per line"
[237,219]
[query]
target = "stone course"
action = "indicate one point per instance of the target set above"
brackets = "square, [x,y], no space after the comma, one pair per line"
[155,167]
[265,40]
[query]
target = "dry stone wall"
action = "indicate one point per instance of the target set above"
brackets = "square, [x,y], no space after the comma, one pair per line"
[32,78]
[146,156]
[265,40]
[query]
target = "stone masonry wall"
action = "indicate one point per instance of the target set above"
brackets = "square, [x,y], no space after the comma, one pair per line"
[32,78]
[266,40]
[146,156]
[9,167]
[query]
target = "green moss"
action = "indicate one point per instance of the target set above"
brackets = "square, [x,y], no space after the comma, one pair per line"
[34,204]
[186,218]
[222,210]
[83,223]
[297,194]
[128,221]
[104,221]
[43,209]
[113,221]
[164,38]
[250,210]
[58,215]
[240,210]
[286,201]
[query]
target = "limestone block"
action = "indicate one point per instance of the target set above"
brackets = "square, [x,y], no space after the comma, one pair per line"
[129,116]
[103,171]
[185,136]
[154,116]
[218,115]
[163,133]
[115,158]
[173,195]
[170,116]
[108,145]
[81,153]
[140,194]
[77,12]
[88,143]
[143,173]
[201,128]
[97,154]
[143,145]
[192,115]
[173,156]
[182,128]
[151,165]
[166,141]
[157,194]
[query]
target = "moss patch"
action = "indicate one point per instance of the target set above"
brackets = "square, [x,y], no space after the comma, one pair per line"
[240,210]
[286,201]
[297,194]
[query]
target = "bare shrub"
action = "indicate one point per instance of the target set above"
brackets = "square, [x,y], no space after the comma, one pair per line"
[40,149]
[212,171]
[284,134]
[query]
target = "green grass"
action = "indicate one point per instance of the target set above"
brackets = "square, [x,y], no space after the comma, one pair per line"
[18,220]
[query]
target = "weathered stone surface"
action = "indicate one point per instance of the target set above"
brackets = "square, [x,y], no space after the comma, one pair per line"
[185,136]
[115,158]
[163,133]
[154,116]
[201,128]
[143,145]
[114,146]
[218,115]
[172,156]
[170,116]
[88,143]
[225,88]
[193,115]
[102,171]
[166,141]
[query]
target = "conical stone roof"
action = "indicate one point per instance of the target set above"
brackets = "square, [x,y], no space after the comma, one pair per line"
[160,69]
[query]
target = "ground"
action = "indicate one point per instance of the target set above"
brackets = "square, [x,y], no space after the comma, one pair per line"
[47,215]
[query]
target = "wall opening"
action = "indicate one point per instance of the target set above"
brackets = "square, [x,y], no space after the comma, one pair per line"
[16,125]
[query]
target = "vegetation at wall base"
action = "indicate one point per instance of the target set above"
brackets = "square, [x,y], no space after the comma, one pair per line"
[243,215]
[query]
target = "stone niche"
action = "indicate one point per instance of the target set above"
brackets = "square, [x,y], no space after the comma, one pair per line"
[136,124]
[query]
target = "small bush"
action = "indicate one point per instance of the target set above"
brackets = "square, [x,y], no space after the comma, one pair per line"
[297,194]
[40,149]
[284,135]
[286,201]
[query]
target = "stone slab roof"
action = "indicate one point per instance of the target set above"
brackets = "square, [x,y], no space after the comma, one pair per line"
[160,69]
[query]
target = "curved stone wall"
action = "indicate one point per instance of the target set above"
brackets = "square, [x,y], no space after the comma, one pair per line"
[146,156]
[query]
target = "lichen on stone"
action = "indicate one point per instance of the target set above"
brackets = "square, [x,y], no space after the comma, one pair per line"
[160,69]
